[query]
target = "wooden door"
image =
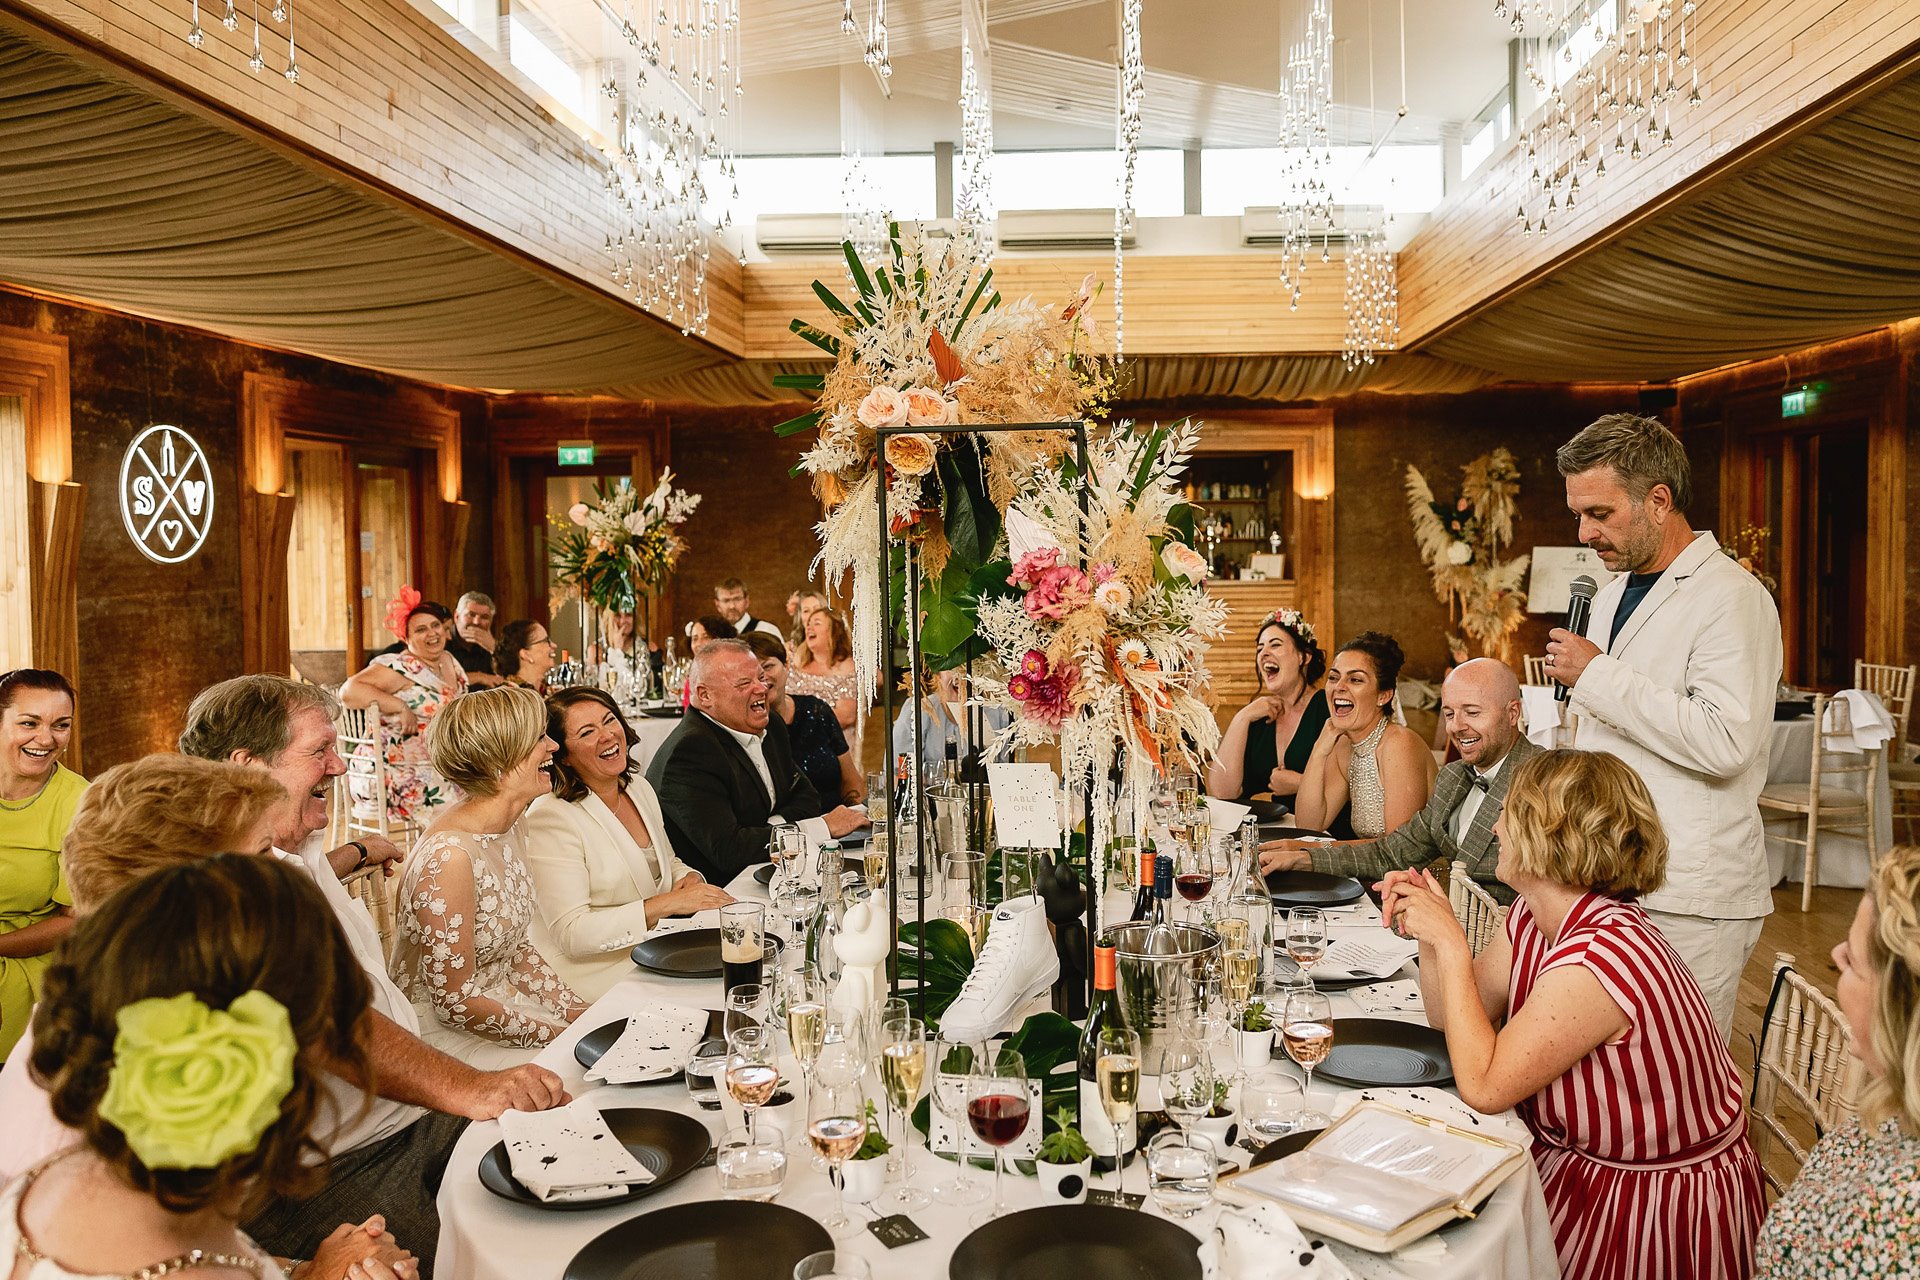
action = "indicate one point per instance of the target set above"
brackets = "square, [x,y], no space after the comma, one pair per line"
[321,574]
[386,502]
[16,551]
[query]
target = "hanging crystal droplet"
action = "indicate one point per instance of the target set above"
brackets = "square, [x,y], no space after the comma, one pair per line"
[231,18]
[279,10]
[196,37]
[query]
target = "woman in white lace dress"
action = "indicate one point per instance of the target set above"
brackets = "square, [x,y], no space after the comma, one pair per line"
[463,953]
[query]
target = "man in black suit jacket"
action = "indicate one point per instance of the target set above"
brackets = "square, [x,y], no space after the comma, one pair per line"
[1481,705]
[727,774]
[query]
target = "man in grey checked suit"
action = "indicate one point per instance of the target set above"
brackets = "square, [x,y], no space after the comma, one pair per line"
[1481,705]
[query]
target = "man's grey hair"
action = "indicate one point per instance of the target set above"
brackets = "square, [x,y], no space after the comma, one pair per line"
[473,597]
[708,654]
[1640,449]
[252,714]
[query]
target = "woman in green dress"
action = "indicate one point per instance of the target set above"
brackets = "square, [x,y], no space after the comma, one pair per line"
[37,798]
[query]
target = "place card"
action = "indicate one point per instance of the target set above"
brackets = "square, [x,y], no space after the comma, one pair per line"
[940,1136]
[895,1230]
[1026,805]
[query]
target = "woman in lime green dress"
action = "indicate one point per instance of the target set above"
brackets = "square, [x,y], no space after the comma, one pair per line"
[37,799]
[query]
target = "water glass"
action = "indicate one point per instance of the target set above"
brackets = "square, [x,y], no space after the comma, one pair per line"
[705,1071]
[750,1167]
[1181,1168]
[1270,1107]
[833,1264]
[748,1005]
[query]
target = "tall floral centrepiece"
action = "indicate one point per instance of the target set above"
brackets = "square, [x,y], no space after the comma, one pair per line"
[616,550]
[1462,544]
[926,343]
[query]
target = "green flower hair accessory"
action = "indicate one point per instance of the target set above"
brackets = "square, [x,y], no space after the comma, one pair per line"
[192,1086]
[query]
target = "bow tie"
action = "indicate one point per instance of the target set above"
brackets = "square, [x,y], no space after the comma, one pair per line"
[1479,780]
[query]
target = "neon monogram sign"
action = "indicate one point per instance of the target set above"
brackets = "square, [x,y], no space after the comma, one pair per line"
[166,494]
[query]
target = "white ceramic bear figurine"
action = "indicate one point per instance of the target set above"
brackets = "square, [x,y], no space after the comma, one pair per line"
[861,947]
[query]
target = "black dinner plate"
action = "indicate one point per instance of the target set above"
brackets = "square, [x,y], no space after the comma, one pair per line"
[1077,1239]
[662,713]
[763,875]
[1265,811]
[1792,708]
[593,1046]
[670,1143]
[1313,889]
[1279,831]
[691,953]
[706,1240]
[1381,1052]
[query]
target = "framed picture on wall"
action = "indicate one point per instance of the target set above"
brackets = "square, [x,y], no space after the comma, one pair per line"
[1555,567]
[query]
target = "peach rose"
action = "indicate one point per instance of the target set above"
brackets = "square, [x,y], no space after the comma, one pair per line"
[928,408]
[1183,561]
[578,513]
[883,407]
[911,455]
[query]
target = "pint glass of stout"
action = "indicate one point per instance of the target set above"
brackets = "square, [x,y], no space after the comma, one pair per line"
[743,927]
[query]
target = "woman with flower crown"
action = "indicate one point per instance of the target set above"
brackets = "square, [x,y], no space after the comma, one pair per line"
[193,1077]
[409,688]
[1267,744]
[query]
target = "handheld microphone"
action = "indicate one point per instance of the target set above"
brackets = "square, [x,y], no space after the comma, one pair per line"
[1579,609]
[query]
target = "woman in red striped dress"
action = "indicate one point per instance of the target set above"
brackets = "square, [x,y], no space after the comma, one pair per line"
[1607,1048]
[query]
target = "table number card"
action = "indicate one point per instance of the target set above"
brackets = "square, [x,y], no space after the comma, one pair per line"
[940,1137]
[1026,805]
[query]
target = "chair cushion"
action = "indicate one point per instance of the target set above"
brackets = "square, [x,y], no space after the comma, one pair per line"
[1799,796]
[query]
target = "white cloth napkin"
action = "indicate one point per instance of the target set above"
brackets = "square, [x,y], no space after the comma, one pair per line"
[1364,951]
[1390,997]
[1261,1242]
[1871,725]
[656,1043]
[569,1153]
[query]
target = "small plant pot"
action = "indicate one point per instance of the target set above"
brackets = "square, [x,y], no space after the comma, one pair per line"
[1253,1048]
[1064,1183]
[865,1179]
[1222,1128]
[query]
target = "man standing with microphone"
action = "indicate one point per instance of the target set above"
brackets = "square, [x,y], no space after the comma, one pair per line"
[1676,675]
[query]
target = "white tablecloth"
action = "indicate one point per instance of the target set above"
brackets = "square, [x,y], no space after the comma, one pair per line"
[650,731]
[1843,855]
[483,1237]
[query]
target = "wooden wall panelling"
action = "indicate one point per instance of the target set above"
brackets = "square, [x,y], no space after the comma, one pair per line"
[1762,64]
[266,527]
[34,368]
[320,613]
[452,550]
[16,537]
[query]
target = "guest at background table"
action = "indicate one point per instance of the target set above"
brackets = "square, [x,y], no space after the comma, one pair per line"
[271,991]
[524,655]
[38,795]
[603,872]
[1366,775]
[409,688]
[472,643]
[727,774]
[706,627]
[730,602]
[820,749]
[393,1153]
[1676,675]
[1288,710]
[1604,1041]
[825,670]
[1480,708]
[943,720]
[463,951]
[801,605]
[1854,1209]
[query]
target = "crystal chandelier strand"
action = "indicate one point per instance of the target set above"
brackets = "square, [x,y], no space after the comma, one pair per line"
[973,204]
[1133,82]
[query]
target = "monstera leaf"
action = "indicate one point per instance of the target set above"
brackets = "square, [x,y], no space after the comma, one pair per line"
[1050,1047]
[941,965]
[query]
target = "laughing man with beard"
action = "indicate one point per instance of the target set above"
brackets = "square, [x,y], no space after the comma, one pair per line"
[727,775]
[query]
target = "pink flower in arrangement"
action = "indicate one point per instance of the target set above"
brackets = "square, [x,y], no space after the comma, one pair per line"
[1050,701]
[1104,572]
[1027,570]
[1060,590]
[1034,665]
[1020,688]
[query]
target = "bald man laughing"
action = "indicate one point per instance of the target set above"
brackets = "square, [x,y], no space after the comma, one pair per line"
[1480,703]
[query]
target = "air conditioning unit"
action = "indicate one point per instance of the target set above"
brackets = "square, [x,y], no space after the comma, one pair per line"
[823,233]
[1262,227]
[1056,230]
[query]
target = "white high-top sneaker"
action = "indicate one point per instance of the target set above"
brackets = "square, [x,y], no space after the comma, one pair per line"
[1017,963]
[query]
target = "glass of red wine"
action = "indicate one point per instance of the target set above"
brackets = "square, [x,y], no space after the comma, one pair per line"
[1193,873]
[997,1108]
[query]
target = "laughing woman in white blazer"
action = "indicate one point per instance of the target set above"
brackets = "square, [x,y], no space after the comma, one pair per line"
[603,870]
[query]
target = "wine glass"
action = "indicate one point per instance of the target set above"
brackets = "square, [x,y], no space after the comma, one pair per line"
[1116,1069]
[752,1074]
[843,1047]
[785,844]
[836,1126]
[997,1108]
[963,879]
[1186,1081]
[1239,971]
[1193,873]
[804,1010]
[1306,937]
[949,1090]
[833,1264]
[747,1006]
[903,1067]
[1306,1029]
[873,860]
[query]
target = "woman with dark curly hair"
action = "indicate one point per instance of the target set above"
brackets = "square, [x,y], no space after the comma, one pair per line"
[1268,741]
[194,1075]
[1379,772]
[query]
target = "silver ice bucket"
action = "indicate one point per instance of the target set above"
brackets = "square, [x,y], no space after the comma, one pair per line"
[1152,988]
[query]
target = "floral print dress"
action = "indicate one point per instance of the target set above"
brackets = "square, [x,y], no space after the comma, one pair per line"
[463,954]
[414,789]
[1853,1211]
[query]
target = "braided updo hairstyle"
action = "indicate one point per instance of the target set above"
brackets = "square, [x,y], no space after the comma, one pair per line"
[216,928]
[1894,953]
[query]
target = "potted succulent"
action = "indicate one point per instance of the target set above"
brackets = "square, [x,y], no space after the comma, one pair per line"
[1220,1123]
[1065,1161]
[1253,1035]
[865,1172]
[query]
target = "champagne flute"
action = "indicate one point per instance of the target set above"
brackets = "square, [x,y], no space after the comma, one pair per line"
[836,1126]
[903,1067]
[951,1074]
[1117,1069]
[1306,1029]
[874,863]
[998,1105]
[752,1074]
[805,1013]
[1306,938]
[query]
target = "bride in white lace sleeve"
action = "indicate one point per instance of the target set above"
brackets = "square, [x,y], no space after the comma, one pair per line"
[463,953]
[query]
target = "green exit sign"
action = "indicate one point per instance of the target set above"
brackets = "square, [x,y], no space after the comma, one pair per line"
[1795,403]
[577,454]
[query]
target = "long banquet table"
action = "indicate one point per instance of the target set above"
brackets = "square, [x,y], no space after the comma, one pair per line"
[483,1237]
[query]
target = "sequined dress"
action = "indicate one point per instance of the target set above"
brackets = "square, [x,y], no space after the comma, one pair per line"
[1367,795]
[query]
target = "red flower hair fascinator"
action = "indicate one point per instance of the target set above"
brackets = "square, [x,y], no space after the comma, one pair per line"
[400,608]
